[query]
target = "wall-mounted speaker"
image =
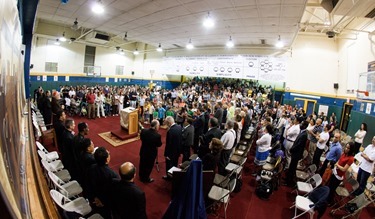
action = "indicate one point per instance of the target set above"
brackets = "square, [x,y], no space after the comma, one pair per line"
[132,72]
[336,85]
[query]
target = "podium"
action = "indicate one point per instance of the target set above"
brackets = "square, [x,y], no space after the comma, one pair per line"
[129,120]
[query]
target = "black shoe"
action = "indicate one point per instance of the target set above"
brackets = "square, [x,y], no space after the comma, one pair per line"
[166,178]
[150,180]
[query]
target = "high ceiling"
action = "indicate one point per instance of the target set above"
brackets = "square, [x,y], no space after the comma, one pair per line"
[172,23]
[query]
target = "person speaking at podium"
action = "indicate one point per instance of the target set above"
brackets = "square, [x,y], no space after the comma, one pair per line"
[151,140]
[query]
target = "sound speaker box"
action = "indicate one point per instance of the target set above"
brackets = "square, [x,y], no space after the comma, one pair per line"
[336,85]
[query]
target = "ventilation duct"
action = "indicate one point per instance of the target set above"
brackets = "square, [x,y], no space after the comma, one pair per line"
[351,8]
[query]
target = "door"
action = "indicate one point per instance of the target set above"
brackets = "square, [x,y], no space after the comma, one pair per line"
[310,107]
[300,103]
[345,116]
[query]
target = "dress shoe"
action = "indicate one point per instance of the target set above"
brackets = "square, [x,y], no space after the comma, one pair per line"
[166,178]
[150,180]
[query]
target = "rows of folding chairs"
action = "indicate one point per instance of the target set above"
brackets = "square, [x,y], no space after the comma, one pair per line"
[43,132]
[65,192]
[224,185]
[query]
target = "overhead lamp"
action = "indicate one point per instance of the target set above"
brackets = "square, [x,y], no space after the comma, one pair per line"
[230,43]
[279,43]
[159,49]
[189,45]
[122,52]
[136,52]
[327,23]
[62,38]
[57,43]
[208,21]
[98,7]
[75,25]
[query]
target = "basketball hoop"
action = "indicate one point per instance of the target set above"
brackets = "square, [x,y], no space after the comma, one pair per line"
[366,93]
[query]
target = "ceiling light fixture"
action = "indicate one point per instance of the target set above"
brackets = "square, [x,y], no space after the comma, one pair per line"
[279,43]
[122,52]
[57,43]
[230,43]
[136,52]
[327,23]
[98,7]
[159,49]
[189,45]
[75,25]
[62,38]
[208,21]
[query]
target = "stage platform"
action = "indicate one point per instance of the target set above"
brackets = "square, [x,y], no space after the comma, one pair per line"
[123,134]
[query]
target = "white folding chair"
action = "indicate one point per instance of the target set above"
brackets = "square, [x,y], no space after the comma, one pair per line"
[220,194]
[303,204]
[304,175]
[49,155]
[63,174]
[79,205]
[309,185]
[94,216]
[69,189]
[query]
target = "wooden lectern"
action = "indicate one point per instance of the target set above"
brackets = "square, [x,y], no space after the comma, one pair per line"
[129,120]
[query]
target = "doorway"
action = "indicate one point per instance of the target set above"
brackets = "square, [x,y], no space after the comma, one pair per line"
[306,104]
[345,116]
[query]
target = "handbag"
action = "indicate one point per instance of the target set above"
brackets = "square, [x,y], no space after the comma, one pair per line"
[326,176]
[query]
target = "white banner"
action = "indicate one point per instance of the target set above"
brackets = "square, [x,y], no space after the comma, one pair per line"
[228,66]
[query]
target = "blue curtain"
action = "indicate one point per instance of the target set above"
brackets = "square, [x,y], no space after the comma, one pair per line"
[189,201]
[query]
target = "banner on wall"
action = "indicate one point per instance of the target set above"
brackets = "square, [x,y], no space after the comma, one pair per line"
[228,66]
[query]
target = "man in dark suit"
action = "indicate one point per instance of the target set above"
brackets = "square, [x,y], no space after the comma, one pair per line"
[68,157]
[151,140]
[172,144]
[219,113]
[59,126]
[128,199]
[296,152]
[213,132]
[198,127]
[101,179]
[187,138]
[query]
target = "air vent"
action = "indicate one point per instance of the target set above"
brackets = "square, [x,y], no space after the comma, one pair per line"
[371,14]
[262,41]
[96,37]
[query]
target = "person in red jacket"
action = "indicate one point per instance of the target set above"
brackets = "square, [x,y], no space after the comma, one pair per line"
[90,98]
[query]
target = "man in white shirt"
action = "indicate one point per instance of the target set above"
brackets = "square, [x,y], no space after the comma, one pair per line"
[366,167]
[291,135]
[228,142]
[321,144]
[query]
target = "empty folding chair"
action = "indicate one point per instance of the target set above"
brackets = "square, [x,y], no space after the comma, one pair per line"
[237,168]
[56,164]
[304,175]
[63,174]
[301,165]
[69,189]
[348,187]
[79,205]
[220,194]
[309,185]
[221,180]
[94,216]
[270,166]
[50,156]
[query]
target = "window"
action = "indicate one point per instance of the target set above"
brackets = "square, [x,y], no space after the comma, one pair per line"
[89,58]
[119,70]
[50,67]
